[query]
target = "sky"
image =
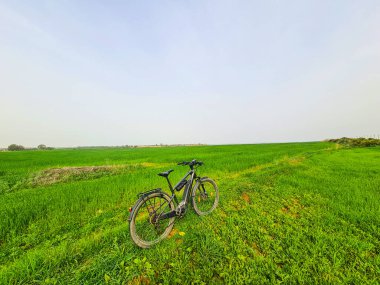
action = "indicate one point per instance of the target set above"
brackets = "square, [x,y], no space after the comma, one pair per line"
[85,73]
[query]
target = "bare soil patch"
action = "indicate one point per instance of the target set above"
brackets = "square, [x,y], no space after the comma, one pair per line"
[246,197]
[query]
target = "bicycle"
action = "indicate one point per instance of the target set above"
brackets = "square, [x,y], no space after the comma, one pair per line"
[152,217]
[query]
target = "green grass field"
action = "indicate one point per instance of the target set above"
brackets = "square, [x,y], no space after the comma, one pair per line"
[288,213]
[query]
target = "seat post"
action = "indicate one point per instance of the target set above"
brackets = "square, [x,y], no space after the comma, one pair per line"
[170,185]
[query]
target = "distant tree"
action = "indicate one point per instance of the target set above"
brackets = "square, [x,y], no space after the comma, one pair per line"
[14,147]
[41,146]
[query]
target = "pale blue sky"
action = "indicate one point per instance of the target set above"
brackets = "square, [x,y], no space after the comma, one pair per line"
[217,72]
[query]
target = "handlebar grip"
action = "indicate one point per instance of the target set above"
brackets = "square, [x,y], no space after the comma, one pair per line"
[191,163]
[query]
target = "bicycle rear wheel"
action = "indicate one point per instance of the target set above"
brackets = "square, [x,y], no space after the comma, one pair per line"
[145,227]
[205,196]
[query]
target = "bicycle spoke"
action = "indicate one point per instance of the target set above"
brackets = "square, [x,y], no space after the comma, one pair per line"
[205,197]
[147,225]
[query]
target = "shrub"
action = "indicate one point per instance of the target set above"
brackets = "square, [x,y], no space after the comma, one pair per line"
[41,146]
[356,142]
[44,147]
[14,147]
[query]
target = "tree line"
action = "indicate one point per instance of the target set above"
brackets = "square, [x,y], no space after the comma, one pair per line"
[17,147]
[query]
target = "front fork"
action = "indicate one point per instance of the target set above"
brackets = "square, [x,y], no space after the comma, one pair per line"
[204,194]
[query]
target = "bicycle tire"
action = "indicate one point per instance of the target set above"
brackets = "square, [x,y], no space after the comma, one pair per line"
[200,196]
[140,220]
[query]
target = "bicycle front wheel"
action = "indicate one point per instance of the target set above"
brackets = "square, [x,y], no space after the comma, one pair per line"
[205,196]
[146,228]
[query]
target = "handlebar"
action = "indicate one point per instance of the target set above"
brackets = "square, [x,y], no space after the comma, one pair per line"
[191,163]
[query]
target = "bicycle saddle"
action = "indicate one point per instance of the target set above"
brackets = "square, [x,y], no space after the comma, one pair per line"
[166,173]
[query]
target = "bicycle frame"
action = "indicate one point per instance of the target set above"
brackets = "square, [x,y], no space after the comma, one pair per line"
[185,196]
[179,205]
[153,215]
